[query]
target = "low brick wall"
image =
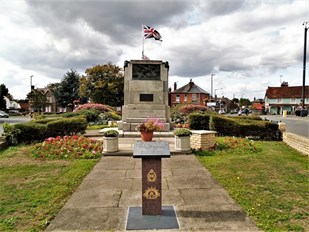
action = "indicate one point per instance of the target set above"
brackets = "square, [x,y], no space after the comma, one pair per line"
[297,142]
[202,139]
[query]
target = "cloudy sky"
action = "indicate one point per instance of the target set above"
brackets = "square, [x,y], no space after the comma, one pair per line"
[248,44]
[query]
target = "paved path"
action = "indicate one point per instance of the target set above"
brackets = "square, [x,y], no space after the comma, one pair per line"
[101,201]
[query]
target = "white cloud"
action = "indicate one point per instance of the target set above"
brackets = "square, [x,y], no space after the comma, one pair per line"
[248,44]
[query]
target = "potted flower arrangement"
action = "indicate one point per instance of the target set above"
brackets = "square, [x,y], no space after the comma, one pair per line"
[110,141]
[182,139]
[148,127]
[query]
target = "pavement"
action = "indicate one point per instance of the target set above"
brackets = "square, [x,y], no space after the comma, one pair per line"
[102,200]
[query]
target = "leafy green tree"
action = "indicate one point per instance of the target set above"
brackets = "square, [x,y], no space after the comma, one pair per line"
[235,100]
[37,100]
[103,84]
[3,92]
[67,91]
[244,102]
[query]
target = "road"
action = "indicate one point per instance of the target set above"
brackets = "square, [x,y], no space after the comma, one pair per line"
[13,120]
[294,124]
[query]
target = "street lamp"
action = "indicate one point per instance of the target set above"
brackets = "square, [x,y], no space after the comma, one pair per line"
[306,24]
[216,94]
[31,83]
[211,84]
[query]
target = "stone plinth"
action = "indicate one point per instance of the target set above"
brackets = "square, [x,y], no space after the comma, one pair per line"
[151,186]
[202,139]
[151,154]
[145,93]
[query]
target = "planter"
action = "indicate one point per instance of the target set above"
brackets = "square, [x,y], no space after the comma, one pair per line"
[147,136]
[182,143]
[110,144]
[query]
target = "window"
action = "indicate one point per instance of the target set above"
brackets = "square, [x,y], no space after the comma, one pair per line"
[279,100]
[292,100]
[186,98]
[193,97]
[177,98]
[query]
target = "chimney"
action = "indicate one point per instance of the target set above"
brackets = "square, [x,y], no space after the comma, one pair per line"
[175,86]
[191,83]
[284,83]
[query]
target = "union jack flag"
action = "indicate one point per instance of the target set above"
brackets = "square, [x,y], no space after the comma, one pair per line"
[150,32]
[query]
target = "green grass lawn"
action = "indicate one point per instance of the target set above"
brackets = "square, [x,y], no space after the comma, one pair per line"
[270,182]
[32,191]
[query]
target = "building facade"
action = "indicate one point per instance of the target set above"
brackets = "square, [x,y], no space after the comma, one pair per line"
[189,94]
[285,98]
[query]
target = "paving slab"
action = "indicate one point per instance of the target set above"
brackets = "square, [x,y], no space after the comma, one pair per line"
[102,201]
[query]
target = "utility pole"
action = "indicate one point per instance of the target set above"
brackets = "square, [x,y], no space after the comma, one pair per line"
[306,24]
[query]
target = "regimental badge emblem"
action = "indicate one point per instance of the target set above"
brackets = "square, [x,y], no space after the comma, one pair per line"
[151,176]
[151,193]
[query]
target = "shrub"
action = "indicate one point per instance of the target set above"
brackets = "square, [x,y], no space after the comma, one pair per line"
[24,133]
[103,118]
[179,118]
[93,106]
[199,121]
[187,109]
[45,120]
[67,126]
[182,132]
[111,133]
[68,147]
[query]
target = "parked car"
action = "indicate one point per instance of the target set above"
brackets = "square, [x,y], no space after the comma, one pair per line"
[3,114]
[15,113]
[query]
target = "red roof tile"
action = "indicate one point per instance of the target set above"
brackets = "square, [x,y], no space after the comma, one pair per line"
[286,92]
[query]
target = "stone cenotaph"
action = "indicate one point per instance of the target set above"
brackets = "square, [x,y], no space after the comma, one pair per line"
[145,93]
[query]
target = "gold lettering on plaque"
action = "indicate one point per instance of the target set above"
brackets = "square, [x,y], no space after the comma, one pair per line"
[151,193]
[151,176]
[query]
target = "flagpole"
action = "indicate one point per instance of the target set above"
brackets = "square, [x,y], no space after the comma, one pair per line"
[143,41]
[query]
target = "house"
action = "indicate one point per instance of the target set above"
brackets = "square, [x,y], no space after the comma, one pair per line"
[49,103]
[258,107]
[189,94]
[285,98]
[11,104]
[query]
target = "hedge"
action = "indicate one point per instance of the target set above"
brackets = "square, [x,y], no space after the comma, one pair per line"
[26,133]
[66,126]
[33,131]
[245,128]
[199,121]
[236,126]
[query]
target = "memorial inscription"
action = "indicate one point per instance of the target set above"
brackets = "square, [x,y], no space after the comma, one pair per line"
[146,97]
[146,72]
[151,149]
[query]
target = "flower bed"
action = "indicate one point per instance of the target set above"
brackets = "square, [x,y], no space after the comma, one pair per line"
[68,147]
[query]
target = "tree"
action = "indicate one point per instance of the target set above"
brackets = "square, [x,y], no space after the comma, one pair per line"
[103,84]
[3,92]
[37,100]
[67,91]
[244,102]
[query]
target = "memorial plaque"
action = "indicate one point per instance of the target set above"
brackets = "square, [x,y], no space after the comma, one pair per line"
[146,72]
[151,149]
[146,97]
